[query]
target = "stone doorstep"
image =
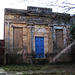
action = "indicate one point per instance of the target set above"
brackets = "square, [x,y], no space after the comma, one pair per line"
[3,72]
[19,73]
[15,73]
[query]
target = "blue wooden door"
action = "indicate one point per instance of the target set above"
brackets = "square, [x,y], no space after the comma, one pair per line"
[39,47]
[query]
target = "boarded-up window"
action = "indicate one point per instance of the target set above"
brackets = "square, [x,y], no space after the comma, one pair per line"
[59,38]
[18,38]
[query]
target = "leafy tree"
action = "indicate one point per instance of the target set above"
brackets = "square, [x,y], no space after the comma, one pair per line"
[72,31]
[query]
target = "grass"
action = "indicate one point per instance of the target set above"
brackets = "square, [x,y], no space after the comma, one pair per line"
[21,67]
[24,73]
[53,69]
[38,67]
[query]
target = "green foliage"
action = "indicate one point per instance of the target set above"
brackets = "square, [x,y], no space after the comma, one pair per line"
[47,69]
[72,31]
[24,73]
[21,67]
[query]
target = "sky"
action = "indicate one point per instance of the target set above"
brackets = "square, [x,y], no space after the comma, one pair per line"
[22,4]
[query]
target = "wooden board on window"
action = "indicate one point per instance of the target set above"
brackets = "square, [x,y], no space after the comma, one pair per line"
[59,38]
[18,38]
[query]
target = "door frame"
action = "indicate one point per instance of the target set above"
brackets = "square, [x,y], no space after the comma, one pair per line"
[16,25]
[13,35]
[58,38]
[64,34]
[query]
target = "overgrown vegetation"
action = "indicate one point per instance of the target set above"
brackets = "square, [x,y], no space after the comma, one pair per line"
[48,69]
[36,67]
[72,30]
[21,67]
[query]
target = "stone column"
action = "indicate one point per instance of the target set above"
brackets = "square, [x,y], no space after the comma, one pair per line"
[29,39]
[50,42]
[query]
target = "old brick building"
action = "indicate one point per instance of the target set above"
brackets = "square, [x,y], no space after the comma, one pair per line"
[35,30]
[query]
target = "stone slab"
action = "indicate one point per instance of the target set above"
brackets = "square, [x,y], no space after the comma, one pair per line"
[3,72]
